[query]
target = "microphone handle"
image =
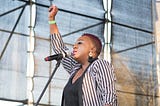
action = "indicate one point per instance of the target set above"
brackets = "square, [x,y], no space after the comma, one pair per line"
[50,5]
[50,2]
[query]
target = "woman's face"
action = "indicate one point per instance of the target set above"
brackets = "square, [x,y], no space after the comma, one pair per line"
[82,48]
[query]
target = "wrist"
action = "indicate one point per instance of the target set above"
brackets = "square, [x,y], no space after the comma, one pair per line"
[51,19]
[52,22]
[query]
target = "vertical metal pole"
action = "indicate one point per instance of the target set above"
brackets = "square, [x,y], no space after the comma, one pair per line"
[30,63]
[107,30]
[156,24]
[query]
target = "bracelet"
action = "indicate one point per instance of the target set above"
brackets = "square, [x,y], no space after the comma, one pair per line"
[52,22]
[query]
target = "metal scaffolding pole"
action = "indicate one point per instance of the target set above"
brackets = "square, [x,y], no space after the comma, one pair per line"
[157,40]
[30,63]
[107,30]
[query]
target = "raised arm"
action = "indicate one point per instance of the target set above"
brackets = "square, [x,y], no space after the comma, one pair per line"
[53,26]
[56,40]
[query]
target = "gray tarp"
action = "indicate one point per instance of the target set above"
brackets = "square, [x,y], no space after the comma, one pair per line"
[73,17]
[132,44]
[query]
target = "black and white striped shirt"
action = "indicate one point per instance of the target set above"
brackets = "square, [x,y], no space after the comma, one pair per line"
[98,85]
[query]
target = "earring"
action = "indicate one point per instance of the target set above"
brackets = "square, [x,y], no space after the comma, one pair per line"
[90,58]
[90,54]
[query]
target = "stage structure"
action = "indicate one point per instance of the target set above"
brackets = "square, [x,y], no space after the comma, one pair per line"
[125,27]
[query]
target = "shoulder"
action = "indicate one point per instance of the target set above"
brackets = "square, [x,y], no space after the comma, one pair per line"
[100,65]
[100,62]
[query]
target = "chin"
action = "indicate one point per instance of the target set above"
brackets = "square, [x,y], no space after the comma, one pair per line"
[75,58]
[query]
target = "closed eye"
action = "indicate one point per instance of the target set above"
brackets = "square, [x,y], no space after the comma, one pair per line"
[79,42]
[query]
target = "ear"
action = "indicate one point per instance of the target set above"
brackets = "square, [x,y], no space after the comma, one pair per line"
[93,52]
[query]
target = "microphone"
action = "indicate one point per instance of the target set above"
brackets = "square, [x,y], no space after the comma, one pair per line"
[54,57]
[50,5]
[57,56]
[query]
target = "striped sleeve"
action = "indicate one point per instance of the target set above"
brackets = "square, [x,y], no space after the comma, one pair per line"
[69,63]
[57,43]
[106,82]
[59,47]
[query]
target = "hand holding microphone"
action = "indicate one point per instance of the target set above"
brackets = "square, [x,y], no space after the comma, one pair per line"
[50,5]
[52,12]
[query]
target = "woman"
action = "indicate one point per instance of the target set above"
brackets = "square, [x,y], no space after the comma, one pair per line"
[92,80]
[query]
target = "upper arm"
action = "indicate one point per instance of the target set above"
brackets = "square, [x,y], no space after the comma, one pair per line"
[105,79]
[59,47]
[57,43]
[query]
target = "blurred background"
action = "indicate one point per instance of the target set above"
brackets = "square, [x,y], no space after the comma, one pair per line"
[128,29]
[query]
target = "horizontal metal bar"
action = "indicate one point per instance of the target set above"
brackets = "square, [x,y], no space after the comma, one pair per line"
[138,46]
[25,101]
[47,6]
[12,10]
[134,93]
[91,26]
[131,27]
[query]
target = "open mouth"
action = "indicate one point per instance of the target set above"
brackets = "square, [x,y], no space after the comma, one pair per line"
[73,53]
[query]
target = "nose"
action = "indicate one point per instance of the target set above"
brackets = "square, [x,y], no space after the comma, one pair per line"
[74,46]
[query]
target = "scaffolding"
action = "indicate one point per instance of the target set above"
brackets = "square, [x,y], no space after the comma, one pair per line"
[129,43]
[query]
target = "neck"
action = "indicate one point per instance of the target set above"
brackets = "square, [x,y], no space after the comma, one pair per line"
[84,66]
